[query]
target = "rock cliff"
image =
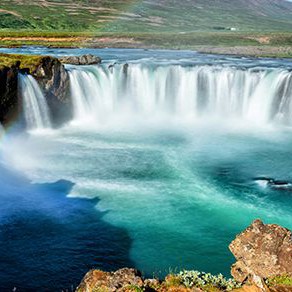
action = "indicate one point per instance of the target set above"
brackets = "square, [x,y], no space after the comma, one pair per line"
[8,93]
[263,250]
[53,79]
[264,264]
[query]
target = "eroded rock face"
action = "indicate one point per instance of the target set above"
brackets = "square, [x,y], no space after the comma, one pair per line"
[8,93]
[52,78]
[54,81]
[81,60]
[262,250]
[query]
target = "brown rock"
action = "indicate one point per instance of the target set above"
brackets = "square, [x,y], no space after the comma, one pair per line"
[81,60]
[53,78]
[120,280]
[125,277]
[281,288]
[251,288]
[54,81]
[263,250]
[93,279]
[151,283]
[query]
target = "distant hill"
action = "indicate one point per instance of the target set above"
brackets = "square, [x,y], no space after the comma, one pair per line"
[146,15]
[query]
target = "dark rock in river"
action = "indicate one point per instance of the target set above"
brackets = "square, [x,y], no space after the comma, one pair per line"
[125,68]
[274,184]
[54,81]
[262,251]
[81,60]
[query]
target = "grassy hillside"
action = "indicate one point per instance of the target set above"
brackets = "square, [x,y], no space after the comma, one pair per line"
[145,15]
[208,15]
[69,15]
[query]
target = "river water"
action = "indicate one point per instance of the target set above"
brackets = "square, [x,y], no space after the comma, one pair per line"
[165,161]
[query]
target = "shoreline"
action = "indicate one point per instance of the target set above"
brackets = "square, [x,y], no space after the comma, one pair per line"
[242,44]
[240,52]
[263,264]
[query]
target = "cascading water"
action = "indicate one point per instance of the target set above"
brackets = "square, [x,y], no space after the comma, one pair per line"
[255,94]
[35,108]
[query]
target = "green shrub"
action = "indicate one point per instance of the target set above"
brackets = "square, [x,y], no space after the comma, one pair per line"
[279,280]
[200,279]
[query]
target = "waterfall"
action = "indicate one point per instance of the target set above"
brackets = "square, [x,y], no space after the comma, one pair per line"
[35,108]
[259,95]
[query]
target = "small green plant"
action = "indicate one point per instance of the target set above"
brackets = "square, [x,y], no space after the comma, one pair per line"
[200,279]
[134,288]
[173,280]
[279,280]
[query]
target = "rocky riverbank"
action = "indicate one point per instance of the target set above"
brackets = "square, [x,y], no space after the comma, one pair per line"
[264,263]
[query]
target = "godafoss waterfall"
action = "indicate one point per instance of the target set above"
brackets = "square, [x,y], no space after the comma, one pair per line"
[168,156]
[35,108]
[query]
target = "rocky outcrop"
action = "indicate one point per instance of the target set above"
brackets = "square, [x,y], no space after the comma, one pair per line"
[115,281]
[81,60]
[54,81]
[264,264]
[262,251]
[9,98]
[52,78]
[8,93]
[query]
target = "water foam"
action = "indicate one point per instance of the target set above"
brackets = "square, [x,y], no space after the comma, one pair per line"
[104,94]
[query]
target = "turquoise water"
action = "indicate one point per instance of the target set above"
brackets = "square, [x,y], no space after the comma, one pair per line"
[171,169]
[182,192]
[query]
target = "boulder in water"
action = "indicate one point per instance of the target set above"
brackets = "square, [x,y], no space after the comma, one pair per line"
[81,60]
[281,185]
[262,251]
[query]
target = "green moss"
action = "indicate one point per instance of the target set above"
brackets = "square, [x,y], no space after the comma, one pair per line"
[26,61]
[280,280]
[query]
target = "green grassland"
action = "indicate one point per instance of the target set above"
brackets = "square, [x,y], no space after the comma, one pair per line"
[249,44]
[145,16]
[197,24]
